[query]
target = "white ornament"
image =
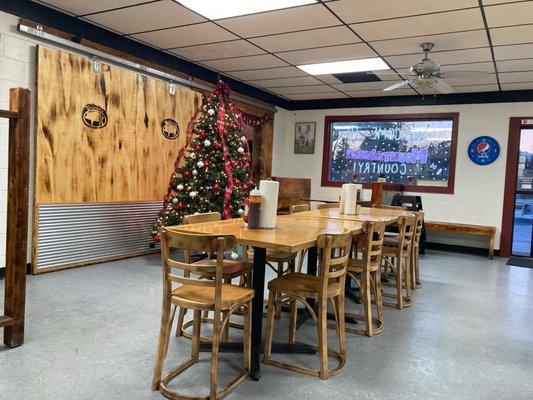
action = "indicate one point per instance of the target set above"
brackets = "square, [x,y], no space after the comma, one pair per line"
[207,143]
[234,255]
[194,172]
[193,194]
[193,156]
[175,201]
[243,139]
[240,211]
[179,187]
[210,111]
[200,164]
[240,150]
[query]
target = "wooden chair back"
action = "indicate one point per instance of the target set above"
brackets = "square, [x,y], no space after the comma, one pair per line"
[403,208]
[335,251]
[406,232]
[298,208]
[196,274]
[327,205]
[418,228]
[199,218]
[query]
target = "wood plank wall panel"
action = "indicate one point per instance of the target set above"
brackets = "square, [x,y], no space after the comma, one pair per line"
[127,160]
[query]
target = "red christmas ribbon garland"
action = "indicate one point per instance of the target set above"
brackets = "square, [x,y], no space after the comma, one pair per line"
[226,212]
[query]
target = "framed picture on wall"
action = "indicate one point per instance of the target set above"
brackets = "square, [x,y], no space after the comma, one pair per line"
[304,137]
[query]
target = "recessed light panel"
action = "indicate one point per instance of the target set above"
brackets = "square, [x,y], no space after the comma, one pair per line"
[218,9]
[340,67]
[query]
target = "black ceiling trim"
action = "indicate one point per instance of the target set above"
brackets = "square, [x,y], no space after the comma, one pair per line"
[428,100]
[81,29]
[489,38]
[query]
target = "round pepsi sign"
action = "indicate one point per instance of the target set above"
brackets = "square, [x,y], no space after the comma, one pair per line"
[483,150]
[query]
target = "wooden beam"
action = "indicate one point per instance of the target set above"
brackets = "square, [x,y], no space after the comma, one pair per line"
[17,216]
[9,114]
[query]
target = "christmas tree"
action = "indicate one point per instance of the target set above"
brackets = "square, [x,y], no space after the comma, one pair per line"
[212,171]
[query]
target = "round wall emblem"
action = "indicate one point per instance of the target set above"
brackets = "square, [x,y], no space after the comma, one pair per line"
[170,129]
[483,150]
[94,116]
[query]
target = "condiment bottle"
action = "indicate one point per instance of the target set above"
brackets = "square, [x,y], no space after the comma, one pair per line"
[254,209]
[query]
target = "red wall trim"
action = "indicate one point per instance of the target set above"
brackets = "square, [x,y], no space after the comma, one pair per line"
[393,117]
[513,146]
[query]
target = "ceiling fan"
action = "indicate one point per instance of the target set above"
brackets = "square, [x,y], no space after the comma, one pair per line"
[427,75]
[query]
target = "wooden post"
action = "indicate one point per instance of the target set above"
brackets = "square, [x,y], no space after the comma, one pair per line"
[17,216]
[377,193]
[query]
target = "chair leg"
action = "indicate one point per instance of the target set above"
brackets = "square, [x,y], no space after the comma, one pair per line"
[378,296]
[281,265]
[247,339]
[197,326]
[407,277]
[367,302]
[399,279]
[417,267]
[162,346]
[214,355]
[181,316]
[270,326]
[342,323]
[323,336]
[292,322]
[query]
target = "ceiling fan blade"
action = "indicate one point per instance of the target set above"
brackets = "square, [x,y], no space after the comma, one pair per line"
[397,85]
[444,87]
[466,74]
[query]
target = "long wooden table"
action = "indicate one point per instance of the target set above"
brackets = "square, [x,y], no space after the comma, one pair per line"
[291,234]
[388,216]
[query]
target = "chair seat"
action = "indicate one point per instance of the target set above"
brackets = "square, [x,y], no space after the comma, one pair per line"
[303,285]
[203,297]
[230,268]
[356,265]
[391,234]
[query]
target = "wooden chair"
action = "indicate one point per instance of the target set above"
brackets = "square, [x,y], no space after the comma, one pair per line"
[231,269]
[365,261]
[329,284]
[201,289]
[397,257]
[327,205]
[415,251]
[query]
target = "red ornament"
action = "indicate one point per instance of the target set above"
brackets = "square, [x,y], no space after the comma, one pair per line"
[186,174]
[197,147]
[157,238]
[180,205]
[216,187]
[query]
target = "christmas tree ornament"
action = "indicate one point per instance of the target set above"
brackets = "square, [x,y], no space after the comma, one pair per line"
[194,172]
[200,164]
[179,187]
[192,155]
[193,194]
[234,255]
[207,143]
[240,150]
[175,200]
[211,111]
[240,211]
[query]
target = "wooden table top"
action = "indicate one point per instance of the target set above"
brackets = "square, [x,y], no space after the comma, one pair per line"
[367,214]
[292,234]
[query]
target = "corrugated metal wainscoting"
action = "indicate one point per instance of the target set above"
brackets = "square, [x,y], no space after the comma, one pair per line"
[68,235]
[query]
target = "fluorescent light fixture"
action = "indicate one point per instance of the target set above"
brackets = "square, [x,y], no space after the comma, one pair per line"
[218,9]
[339,67]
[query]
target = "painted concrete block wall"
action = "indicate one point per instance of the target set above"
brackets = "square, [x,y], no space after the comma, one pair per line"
[479,190]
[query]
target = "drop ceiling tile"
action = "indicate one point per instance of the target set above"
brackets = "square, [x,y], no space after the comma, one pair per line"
[281,21]
[348,87]
[510,77]
[381,93]
[307,39]
[302,89]
[445,57]
[317,96]
[233,48]
[489,2]
[186,36]
[517,86]
[513,52]
[476,88]
[431,24]
[330,79]
[468,80]
[240,63]
[268,73]
[87,7]
[512,35]
[145,17]
[509,14]
[295,81]
[515,65]
[449,41]
[352,11]
[326,54]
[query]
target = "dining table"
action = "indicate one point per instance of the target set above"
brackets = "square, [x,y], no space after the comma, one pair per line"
[291,235]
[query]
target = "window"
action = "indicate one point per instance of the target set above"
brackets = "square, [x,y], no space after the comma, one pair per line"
[416,151]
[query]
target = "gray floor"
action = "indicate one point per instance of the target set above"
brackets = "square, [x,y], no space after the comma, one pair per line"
[91,334]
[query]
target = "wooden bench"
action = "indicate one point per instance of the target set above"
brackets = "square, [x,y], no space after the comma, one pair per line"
[489,231]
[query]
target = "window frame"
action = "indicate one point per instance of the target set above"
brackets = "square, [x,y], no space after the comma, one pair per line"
[454,117]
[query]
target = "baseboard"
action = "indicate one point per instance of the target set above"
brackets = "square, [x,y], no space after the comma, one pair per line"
[455,248]
[3,271]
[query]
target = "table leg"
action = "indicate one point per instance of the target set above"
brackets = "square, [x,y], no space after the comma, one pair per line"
[258,283]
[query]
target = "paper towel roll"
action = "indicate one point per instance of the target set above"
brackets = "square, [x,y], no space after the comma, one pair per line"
[350,198]
[269,203]
[342,199]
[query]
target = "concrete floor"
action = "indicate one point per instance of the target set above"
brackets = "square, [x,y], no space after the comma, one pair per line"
[91,334]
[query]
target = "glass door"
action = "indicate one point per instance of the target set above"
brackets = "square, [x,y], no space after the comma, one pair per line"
[523,211]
